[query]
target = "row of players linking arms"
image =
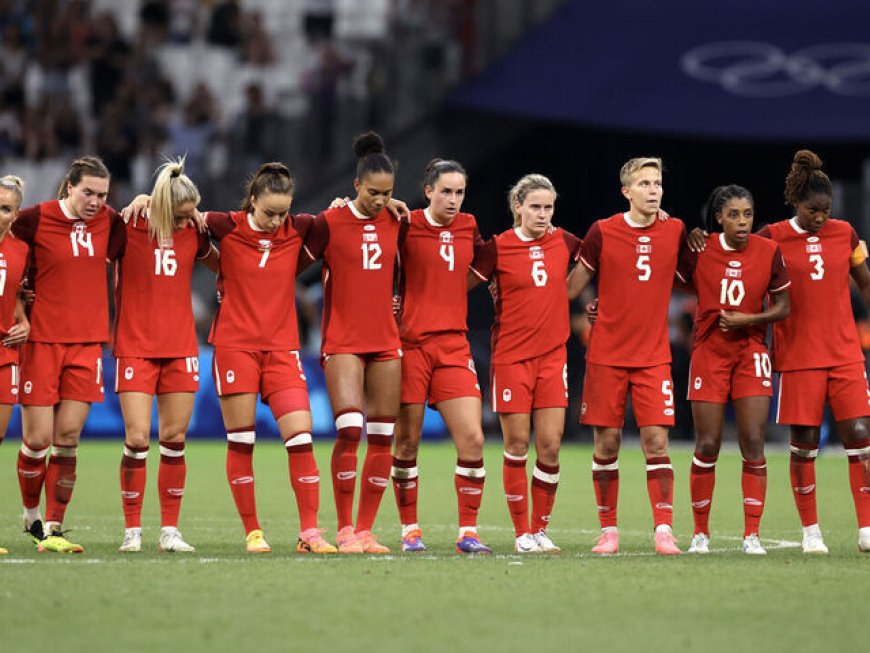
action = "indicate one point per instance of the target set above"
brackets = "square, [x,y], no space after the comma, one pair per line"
[383,360]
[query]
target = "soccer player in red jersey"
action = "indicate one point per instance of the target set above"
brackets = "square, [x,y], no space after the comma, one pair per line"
[360,350]
[730,360]
[156,350]
[71,239]
[14,326]
[436,249]
[635,256]
[817,350]
[528,266]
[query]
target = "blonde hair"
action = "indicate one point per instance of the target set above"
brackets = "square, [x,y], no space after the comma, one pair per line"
[87,166]
[171,189]
[15,184]
[518,194]
[633,165]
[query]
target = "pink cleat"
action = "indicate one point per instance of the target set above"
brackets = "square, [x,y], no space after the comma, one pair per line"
[346,541]
[608,543]
[369,542]
[666,545]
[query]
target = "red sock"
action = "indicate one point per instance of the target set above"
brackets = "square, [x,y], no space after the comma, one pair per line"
[660,485]
[240,474]
[516,491]
[754,481]
[133,474]
[702,479]
[376,470]
[171,476]
[605,480]
[802,468]
[405,485]
[468,480]
[31,474]
[545,481]
[304,478]
[859,479]
[343,466]
[60,479]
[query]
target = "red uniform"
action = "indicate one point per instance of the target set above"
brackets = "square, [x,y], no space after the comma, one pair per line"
[629,345]
[359,255]
[13,261]
[733,364]
[817,348]
[435,259]
[531,316]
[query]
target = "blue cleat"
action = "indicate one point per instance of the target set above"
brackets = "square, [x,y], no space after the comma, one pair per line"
[413,541]
[470,543]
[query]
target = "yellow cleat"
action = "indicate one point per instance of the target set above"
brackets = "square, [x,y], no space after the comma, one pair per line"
[256,543]
[311,541]
[3,551]
[57,543]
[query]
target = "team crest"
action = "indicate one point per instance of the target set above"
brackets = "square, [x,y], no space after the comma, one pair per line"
[644,245]
[536,253]
[265,244]
[370,238]
[814,245]
[446,237]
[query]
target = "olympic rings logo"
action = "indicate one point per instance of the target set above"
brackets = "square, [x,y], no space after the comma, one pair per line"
[762,70]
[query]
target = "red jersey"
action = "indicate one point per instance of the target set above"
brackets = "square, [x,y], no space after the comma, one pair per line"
[359,257]
[153,312]
[257,282]
[635,267]
[531,291]
[13,262]
[735,280]
[433,275]
[820,332]
[68,271]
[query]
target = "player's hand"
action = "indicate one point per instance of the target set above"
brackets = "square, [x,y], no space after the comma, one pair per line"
[662,215]
[18,333]
[399,209]
[339,203]
[592,311]
[733,320]
[27,296]
[138,208]
[397,305]
[697,239]
[492,287]
[198,221]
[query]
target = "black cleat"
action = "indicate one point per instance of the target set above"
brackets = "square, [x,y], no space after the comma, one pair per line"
[35,531]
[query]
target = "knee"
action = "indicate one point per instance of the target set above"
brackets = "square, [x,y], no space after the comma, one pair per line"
[469,445]
[706,444]
[406,446]
[516,447]
[170,434]
[607,443]
[137,437]
[752,445]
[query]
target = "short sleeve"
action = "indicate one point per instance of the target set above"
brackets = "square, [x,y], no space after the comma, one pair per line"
[302,224]
[485,259]
[203,245]
[859,255]
[26,223]
[219,224]
[686,259]
[779,277]
[764,232]
[317,238]
[573,244]
[117,236]
[590,250]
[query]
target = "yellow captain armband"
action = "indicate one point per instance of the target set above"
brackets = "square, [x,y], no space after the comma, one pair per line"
[859,254]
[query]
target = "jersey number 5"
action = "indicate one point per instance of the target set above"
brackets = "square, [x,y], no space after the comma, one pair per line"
[371,256]
[643,267]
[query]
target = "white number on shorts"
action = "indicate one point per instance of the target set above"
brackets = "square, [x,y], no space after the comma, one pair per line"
[732,293]
[2,281]
[447,254]
[643,266]
[99,371]
[668,392]
[165,263]
[81,240]
[191,364]
[264,258]
[371,255]
[539,274]
[819,263]
[762,364]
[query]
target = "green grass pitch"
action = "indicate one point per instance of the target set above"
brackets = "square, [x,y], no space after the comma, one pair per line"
[223,600]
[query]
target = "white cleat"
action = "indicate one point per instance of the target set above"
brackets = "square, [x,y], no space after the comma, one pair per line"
[132,541]
[752,545]
[813,541]
[172,542]
[526,543]
[545,544]
[864,539]
[700,543]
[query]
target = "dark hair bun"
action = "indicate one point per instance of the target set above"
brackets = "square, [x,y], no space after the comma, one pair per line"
[368,143]
[807,159]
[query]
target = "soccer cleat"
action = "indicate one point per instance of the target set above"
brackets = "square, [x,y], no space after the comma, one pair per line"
[526,543]
[369,542]
[3,551]
[171,541]
[55,542]
[255,542]
[864,539]
[413,541]
[470,543]
[700,543]
[545,543]
[346,541]
[608,543]
[752,545]
[132,541]
[813,542]
[35,531]
[311,541]
[666,545]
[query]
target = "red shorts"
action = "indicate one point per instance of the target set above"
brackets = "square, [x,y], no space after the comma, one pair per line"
[9,384]
[802,394]
[540,382]
[156,376]
[718,379]
[605,390]
[54,371]
[438,370]
[239,372]
[370,357]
